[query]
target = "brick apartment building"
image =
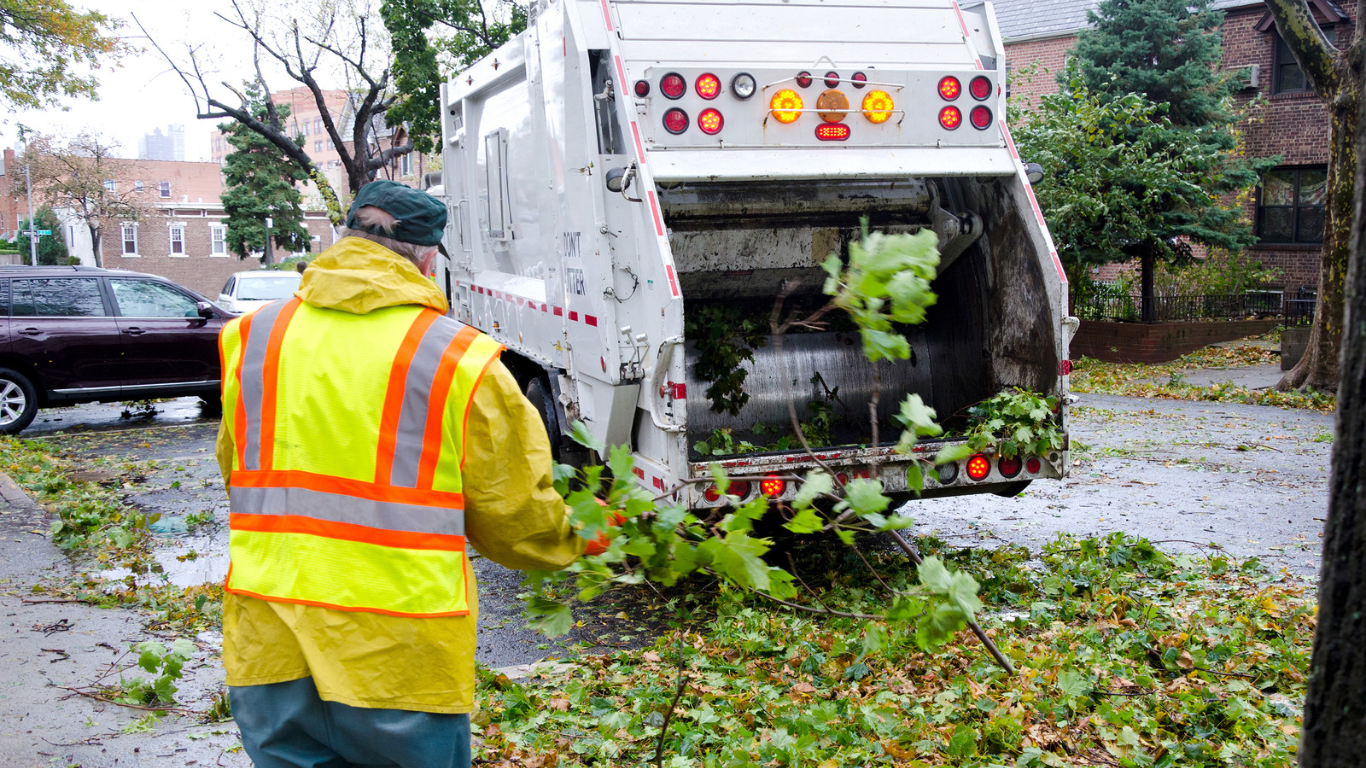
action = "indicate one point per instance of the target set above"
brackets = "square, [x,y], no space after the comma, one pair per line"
[13,195]
[1291,122]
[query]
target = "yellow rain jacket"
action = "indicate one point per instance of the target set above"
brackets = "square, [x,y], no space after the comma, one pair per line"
[513,516]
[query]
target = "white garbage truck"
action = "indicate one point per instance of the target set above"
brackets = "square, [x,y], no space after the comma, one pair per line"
[624,165]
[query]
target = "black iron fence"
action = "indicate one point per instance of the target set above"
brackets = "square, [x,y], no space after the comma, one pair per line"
[1166,309]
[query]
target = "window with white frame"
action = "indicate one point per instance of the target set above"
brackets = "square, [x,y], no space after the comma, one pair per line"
[218,240]
[177,240]
[138,186]
[110,185]
[406,165]
[165,189]
[130,239]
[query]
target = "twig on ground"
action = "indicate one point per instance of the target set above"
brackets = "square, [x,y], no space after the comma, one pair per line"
[97,697]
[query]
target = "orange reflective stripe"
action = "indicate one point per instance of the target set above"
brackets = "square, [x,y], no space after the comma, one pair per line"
[393,396]
[239,412]
[436,408]
[294,478]
[270,374]
[345,532]
[469,406]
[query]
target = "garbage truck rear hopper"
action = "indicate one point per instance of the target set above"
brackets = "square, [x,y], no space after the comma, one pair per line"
[622,162]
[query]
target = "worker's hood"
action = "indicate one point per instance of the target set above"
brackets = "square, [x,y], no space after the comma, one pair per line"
[359,276]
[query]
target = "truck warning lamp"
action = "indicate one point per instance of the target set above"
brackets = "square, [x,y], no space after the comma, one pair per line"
[1033,465]
[832,132]
[832,106]
[786,106]
[980,117]
[772,486]
[950,117]
[832,79]
[743,85]
[708,86]
[950,88]
[673,85]
[978,467]
[878,106]
[804,79]
[675,121]
[980,88]
[860,79]
[737,488]
[642,88]
[1010,467]
[710,121]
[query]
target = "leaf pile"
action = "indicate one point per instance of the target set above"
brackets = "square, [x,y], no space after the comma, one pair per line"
[1166,381]
[1016,423]
[726,336]
[1127,657]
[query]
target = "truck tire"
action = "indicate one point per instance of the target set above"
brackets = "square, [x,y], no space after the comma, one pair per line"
[18,401]
[538,392]
[1012,489]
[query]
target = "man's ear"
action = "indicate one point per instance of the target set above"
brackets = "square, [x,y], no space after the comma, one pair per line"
[428,259]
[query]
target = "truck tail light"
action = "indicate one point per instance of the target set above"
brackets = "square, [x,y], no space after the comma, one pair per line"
[859,79]
[832,106]
[675,121]
[832,79]
[803,79]
[708,86]
[980,117]
[786,106]
[948,473]
[842,479]
[642,88]
[772,486]
[950,117]
[710,121]
[978,467]
[980,88]
[673,85]
[1033,465]
[712,494]
[743,86]
[737,488]
[878,106]
[832,132]
[1009,467]
[950,88]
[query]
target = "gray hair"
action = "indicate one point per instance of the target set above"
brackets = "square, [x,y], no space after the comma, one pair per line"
[378,218]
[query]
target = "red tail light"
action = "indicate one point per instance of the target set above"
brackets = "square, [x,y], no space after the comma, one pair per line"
[949,88]
[1034,465]
[981,118]
[859,79]
[772,486]
[980,88]
[804,79]
[950,117]
[832,132]
[675,121]
[642,88]
[710,121]
[978,467]
[832,79]
[1009,467]
[708,86]
[842,479]
[739,488]
[673,85]
[712,493]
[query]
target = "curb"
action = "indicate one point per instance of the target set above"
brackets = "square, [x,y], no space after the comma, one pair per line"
[15,497]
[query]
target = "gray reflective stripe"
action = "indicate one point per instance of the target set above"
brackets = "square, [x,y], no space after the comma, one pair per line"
[417,392]
[253,387]
[336,508]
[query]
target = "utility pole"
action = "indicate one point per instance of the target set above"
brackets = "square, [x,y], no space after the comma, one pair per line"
[28,190]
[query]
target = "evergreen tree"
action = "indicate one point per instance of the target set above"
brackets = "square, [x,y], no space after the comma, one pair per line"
[51,248]
[259,182]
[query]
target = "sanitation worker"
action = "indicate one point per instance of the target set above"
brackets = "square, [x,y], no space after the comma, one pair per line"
[367,442]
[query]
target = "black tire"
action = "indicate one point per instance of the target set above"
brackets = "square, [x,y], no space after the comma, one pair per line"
[1013,489]
[18,401]
[538,392]
[212,404]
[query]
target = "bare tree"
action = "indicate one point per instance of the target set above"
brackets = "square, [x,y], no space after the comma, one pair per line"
[1336,77]
[302,53]
[84,177]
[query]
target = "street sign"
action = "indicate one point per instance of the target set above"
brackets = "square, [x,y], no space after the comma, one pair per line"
[38,232]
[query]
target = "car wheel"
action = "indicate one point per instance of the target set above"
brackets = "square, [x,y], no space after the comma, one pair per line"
[18,401]
[212,405]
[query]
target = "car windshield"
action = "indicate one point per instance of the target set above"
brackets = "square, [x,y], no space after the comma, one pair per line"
[267,288]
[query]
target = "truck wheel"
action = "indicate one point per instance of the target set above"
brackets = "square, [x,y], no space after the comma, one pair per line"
[18,401]
[1012,489]
[539,395]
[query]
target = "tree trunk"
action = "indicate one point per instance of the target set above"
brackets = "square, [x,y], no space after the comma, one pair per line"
[1146,266]
[1335,707]
[95,244]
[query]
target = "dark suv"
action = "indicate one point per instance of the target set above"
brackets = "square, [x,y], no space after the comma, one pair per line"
[80,334]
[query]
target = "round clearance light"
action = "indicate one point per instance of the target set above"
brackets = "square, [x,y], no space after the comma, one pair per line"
[772,486]
[786,106]
[978,467]
[950,117]
[1033,465]
[739,488]
[980,117]
[1009,467]
[743,86]
[878,106]
[832,79]
[860,79]
[842,479]
[708,86]
[980,88]
[712,494]
[675,121]
[948,473]
[642,88]
[949,88]
[804,79]
[832,131]
[673,85]
[710,121]
[832,106]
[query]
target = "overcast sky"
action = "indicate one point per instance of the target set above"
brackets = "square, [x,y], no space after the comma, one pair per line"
[143,93]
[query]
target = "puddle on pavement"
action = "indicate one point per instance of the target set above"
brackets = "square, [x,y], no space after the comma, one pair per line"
[186,559]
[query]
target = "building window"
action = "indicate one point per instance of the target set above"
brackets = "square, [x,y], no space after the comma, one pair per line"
[138,186]
[111,185]
[405,165]
[130,239]
[318,125]
[1290,205]
[177,241]
[218,240]
[1286,75]
[165,189]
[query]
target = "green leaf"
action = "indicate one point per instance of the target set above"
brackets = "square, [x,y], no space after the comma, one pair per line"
[738,558]
[165,689]
[620,462]
[865,496]
[881,345]
[580,434]
[1073,683]
[719,476]
[951,453]
[549,617]
[805,521]
[963,742]
[817,483]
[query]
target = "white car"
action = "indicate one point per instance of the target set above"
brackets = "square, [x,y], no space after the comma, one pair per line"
[246,291]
